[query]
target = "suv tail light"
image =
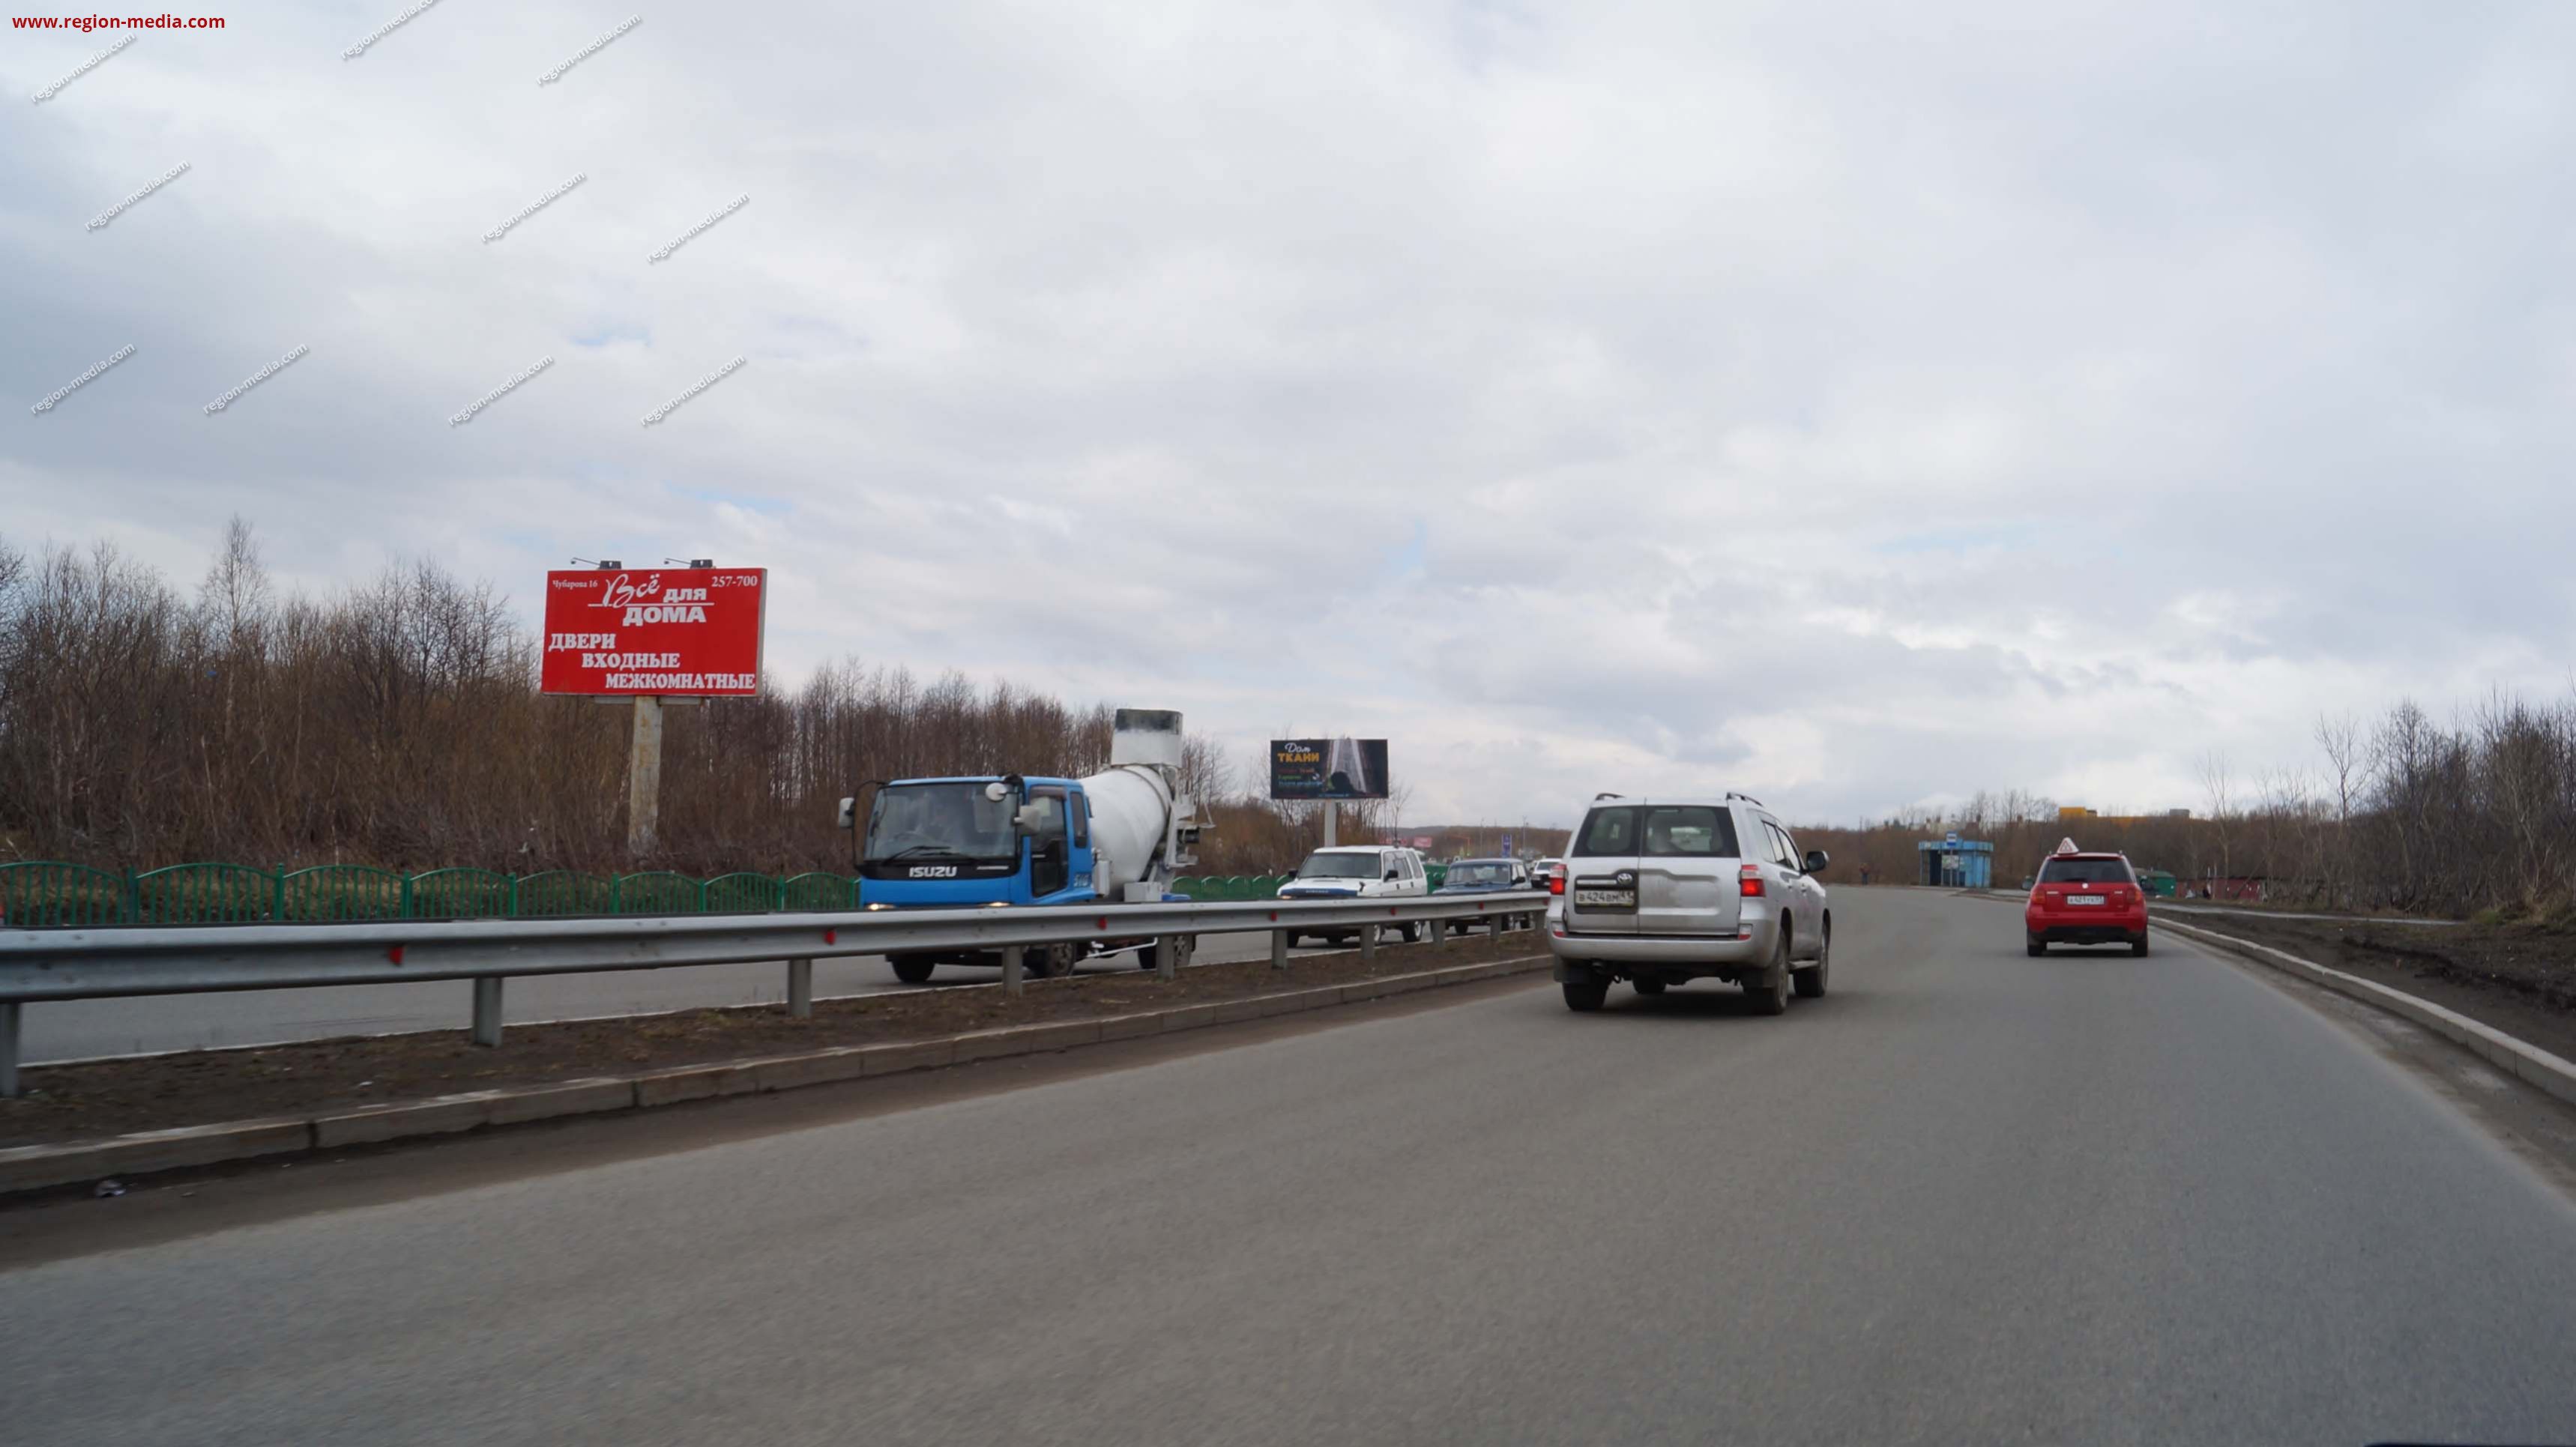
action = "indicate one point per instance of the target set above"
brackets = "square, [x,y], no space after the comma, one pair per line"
[1748,881]
[1556,881]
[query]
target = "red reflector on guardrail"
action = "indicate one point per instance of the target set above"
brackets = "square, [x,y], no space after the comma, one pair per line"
[394,953]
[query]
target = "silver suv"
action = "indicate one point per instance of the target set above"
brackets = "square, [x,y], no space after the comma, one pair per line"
[1658,891]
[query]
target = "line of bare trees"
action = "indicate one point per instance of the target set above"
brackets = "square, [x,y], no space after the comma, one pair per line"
[2404,812]
[399,724]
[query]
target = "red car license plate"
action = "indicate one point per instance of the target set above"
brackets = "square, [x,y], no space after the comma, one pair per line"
[2083,899]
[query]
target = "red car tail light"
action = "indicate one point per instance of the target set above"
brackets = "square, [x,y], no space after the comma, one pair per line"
[1748,881]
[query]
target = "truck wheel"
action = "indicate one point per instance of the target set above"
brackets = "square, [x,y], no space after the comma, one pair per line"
[1411,931]
[1810,981]
[1585,996]
[1293,938]
[912,969]
[1769,989]
[1648,985]
[1053,962]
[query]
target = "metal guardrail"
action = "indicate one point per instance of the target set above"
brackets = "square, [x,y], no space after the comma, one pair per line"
[80,964]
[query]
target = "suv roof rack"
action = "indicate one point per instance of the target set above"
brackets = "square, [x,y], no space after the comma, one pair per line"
[1606,794]
[1747,798]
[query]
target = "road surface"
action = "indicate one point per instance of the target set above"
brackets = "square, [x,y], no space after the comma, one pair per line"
[84,1029]
[1969,1197]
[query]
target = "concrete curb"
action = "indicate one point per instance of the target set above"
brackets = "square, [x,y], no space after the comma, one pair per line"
[33,1168]
[2523,1061]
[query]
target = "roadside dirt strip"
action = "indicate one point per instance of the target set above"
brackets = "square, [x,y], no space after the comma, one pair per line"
[327,1108]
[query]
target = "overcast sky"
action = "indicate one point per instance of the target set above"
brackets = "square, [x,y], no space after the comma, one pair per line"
[1856,404]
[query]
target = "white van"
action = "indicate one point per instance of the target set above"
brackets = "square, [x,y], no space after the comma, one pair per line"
[1359,871]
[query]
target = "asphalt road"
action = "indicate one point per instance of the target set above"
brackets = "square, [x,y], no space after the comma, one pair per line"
[1969,1197]
[83,1029]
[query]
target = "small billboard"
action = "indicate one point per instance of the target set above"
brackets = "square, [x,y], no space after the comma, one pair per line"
[674,631]
[1343,768]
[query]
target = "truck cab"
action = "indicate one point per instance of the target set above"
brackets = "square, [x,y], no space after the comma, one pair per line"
[961,842]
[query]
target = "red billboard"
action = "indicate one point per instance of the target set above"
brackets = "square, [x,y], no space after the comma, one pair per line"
[654,630]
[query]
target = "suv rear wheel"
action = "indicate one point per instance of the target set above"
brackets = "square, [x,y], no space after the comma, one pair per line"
[1811,980]
[1769,990]
[1586,996]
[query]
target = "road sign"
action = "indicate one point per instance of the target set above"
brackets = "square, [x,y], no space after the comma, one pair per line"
[1507,846]
[655,631]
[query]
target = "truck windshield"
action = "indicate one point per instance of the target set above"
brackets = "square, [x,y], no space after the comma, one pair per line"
[952,821]
[1338,866]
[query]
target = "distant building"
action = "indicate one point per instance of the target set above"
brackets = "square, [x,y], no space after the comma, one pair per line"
[2070,813]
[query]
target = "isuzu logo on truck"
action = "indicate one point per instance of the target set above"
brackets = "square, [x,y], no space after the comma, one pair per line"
[934,871]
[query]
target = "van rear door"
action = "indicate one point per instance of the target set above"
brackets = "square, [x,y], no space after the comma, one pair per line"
[1686,863]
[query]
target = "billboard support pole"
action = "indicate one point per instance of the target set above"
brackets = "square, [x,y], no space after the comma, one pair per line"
[644,777]
[1332,814]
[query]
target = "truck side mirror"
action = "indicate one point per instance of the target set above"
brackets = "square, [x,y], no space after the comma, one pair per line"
[1392,873]
[849,813]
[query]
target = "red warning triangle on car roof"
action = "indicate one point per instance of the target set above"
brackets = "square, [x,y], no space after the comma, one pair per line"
[2067,846]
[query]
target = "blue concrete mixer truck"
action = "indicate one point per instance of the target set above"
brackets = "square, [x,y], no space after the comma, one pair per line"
[1115,837]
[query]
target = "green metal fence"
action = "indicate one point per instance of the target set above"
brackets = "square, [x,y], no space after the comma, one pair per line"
[51,894]
[565,891]
[461,894]
[47,894]
[1220,888]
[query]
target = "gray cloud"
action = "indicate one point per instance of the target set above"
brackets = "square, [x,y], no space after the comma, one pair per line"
[1855,408]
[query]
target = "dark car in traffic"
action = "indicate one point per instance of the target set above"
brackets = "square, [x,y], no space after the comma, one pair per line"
[1489,876]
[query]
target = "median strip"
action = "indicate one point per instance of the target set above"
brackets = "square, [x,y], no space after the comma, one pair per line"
[69,1162]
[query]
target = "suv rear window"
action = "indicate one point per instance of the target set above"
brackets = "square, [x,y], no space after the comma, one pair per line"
[2085,871]
[1664,829]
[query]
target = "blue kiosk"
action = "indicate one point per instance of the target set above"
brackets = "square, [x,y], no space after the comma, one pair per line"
[1955,863]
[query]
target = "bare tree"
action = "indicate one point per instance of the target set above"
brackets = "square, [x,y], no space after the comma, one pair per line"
[2340,739]
[2218,787]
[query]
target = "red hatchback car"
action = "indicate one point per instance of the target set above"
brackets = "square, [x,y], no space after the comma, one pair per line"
[2085,899]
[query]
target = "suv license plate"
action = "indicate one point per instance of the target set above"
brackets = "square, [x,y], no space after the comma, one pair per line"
[2083,899]
[1606,898]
